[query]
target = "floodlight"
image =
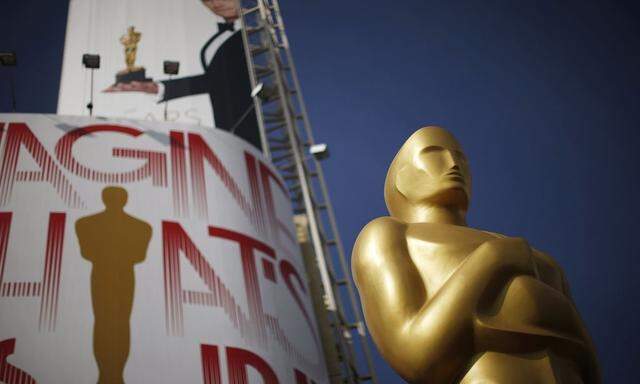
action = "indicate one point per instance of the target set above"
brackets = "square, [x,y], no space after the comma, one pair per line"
[319,151]
[8,59]
[257,90]
[91,61]
[265,92]
[171,67]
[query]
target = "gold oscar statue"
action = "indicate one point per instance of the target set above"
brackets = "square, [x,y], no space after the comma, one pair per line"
[446,303]
[132,73]
[114,242]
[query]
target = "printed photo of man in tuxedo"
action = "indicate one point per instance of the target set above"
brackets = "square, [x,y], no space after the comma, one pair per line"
[225,77]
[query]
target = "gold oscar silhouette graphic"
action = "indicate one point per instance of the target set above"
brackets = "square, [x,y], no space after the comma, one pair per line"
[446,303]
[113,242]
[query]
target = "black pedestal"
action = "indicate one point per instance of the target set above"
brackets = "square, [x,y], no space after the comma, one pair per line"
[135,75]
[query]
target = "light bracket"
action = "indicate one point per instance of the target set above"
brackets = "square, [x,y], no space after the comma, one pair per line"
[319,151]
[171,67]
[91,61]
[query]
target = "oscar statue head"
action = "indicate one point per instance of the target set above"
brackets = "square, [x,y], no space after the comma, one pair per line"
[429,174]
[114,198]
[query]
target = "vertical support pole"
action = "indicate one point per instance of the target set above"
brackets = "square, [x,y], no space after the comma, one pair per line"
[166,104]
[13,91]
[286,132]
[90,105]
[254,81]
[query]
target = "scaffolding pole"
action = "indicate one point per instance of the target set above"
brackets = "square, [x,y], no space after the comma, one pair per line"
[286,137]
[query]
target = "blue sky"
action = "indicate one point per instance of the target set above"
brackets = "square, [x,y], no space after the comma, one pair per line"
[543,95]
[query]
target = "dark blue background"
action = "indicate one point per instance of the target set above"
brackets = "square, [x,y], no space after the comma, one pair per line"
[543,96]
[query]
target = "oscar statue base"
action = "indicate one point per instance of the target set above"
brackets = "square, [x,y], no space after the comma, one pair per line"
[136,74]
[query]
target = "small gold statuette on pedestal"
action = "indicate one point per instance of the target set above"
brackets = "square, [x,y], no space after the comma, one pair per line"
[446,303]
[131,73]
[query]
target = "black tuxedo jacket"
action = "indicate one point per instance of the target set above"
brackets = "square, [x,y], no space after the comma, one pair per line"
[226,80]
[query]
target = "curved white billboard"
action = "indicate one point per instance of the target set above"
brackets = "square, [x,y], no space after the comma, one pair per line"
[139,252]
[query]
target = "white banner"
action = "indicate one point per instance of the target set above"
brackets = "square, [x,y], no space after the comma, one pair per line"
[134,38]
[145,252]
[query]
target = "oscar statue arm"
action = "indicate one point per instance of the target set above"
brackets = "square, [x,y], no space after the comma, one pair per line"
[427,336]
[141,246]
[593,368]
[185,86]
[82,229]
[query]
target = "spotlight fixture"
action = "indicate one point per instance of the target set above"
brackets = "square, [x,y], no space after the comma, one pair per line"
[257,91]
[265,92]
[91,61]
[8,59]
[319,151]
[171,67]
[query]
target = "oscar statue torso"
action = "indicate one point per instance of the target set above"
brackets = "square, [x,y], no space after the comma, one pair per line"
[130,42]
[446,303]
[525,326]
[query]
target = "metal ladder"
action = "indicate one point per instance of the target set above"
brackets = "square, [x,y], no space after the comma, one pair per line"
[286,140]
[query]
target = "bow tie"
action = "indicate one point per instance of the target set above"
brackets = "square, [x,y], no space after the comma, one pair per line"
[225,27]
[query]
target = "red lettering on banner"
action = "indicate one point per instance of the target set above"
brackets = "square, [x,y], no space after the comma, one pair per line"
[287,270]
[179,174]
[249,270]
[269,270]
[210,364]
[301,378]
[253,327]
[199,151]
[19,135]
[1,133]
[276,225]
[48,288]
[239,359]
[256,198]
[175,240]
[8,373]
[154,167]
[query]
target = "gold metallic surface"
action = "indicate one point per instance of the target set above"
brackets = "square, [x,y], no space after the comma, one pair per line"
[130,42]
[114,242]
[446,303]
